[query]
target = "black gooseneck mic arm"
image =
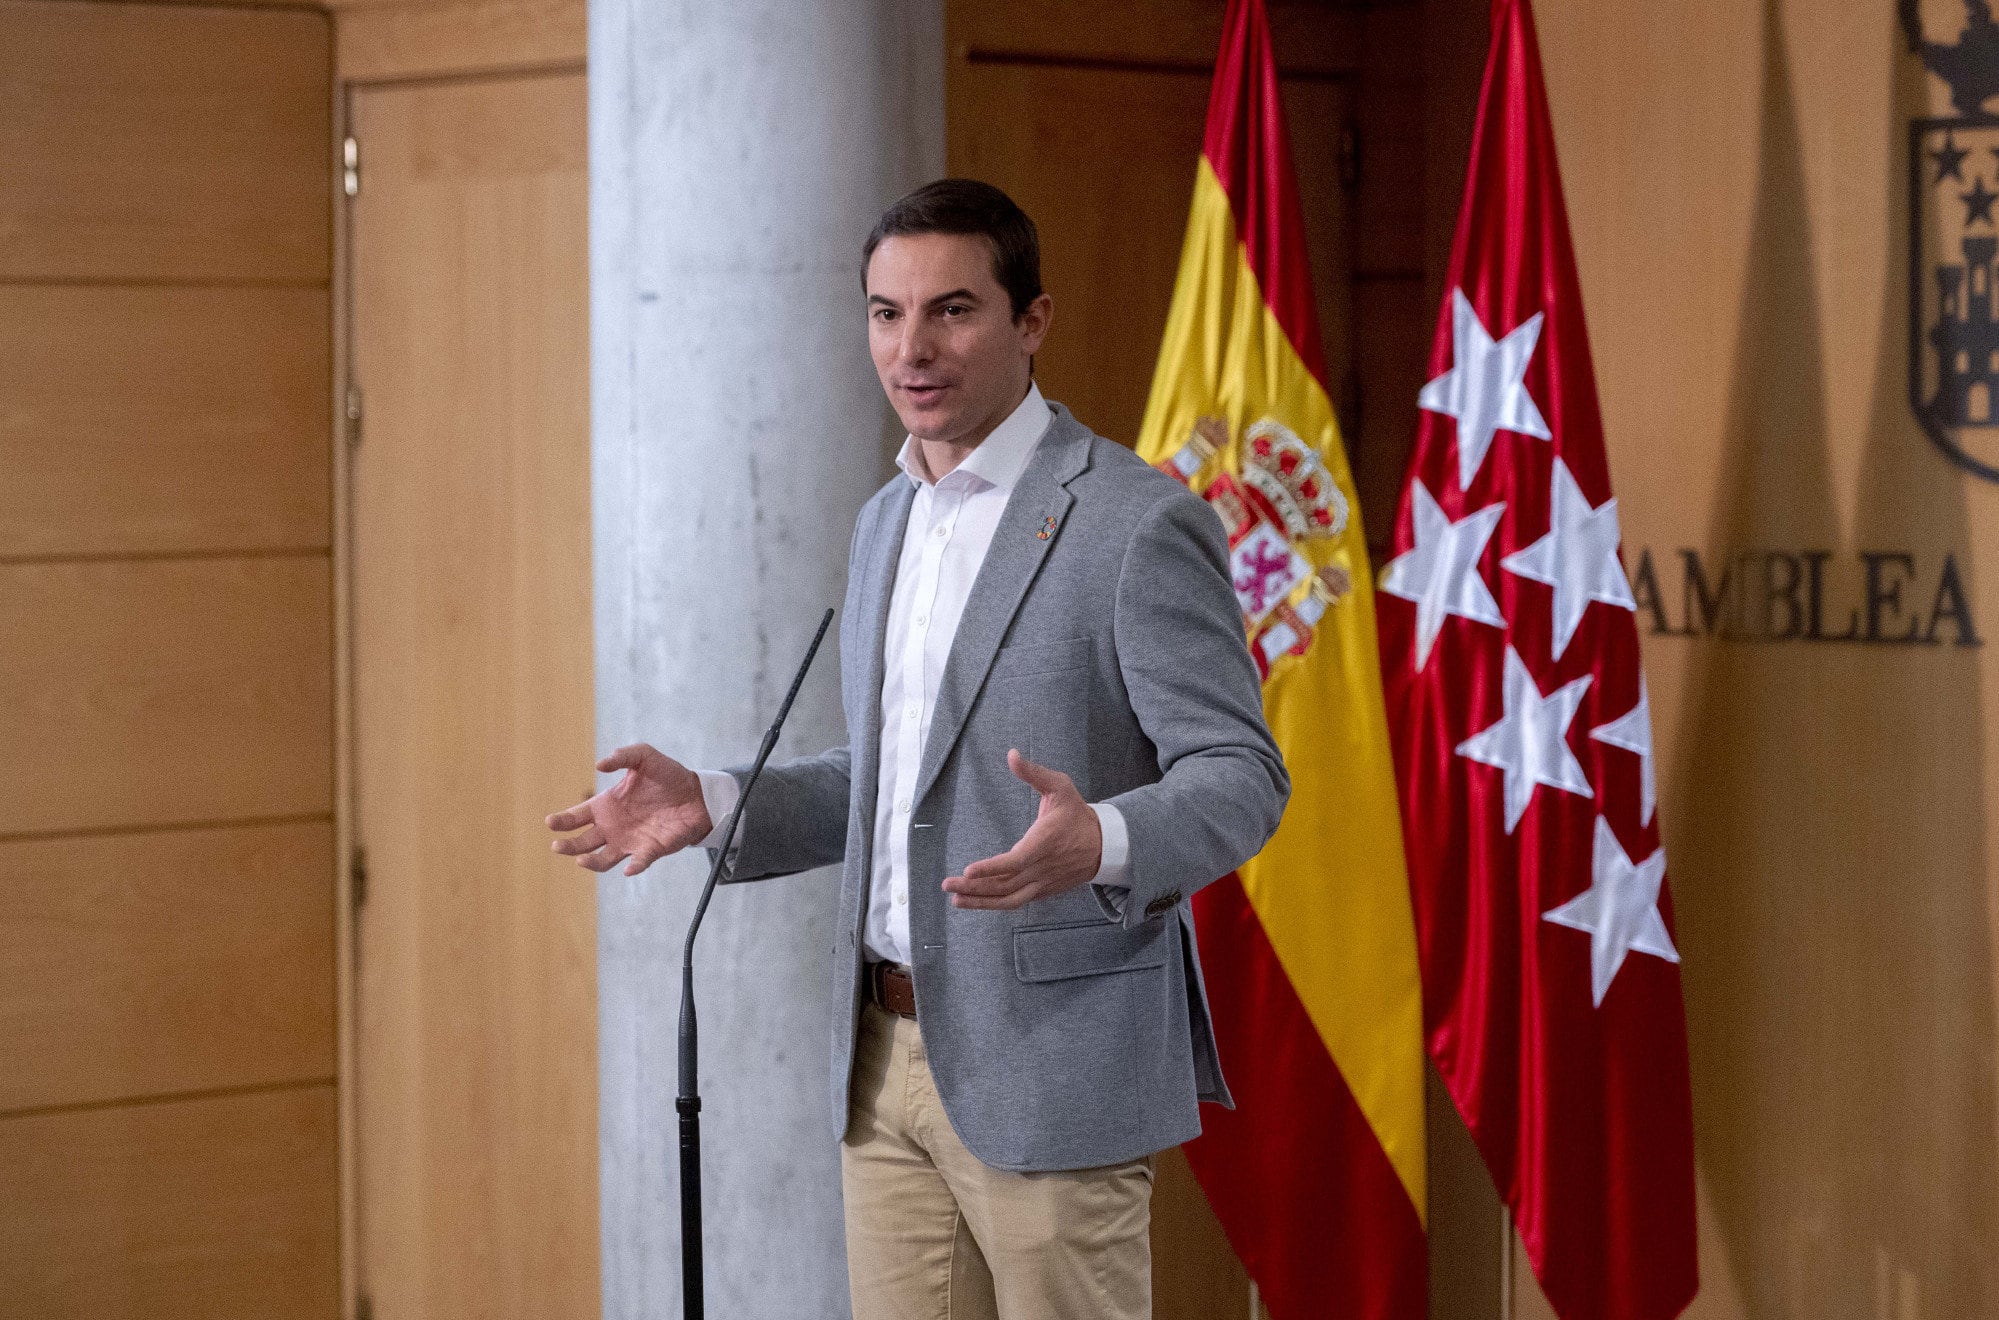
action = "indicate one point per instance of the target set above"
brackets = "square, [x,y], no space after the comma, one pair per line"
[689,1101]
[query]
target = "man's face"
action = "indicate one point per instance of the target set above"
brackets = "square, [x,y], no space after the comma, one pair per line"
[952,358]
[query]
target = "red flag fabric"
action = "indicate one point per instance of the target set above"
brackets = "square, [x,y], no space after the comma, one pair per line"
[1523,750]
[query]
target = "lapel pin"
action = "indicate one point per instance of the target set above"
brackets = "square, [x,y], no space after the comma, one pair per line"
[1047,528]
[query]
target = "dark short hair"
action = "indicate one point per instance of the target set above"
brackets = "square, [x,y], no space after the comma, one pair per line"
[967,206]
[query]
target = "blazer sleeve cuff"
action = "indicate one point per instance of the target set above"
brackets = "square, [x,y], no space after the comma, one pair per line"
[1111,885]
[719,793]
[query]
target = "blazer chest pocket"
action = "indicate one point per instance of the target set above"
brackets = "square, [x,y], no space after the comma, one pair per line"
[1045,691]
[1025,658]
[1088,948]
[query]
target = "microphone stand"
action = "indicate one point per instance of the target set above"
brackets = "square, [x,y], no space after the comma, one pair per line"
[689,1102]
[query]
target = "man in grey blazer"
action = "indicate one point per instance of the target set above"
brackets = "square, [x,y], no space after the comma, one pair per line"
[1055,736]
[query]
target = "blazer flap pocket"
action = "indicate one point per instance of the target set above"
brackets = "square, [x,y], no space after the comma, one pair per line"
[1041,657]
[1091,948]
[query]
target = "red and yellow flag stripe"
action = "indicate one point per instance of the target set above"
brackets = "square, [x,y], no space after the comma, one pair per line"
[1310,951]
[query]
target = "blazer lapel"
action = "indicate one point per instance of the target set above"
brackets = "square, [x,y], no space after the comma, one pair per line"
[1027,531]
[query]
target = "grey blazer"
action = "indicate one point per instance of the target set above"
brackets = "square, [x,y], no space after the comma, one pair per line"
[1074,1031]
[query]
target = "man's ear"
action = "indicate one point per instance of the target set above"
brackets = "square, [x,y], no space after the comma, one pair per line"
[1033,323]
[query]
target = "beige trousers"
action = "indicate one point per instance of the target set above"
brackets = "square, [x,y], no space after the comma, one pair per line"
[933,1234]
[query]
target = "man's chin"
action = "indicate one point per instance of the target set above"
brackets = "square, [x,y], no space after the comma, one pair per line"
[932,424]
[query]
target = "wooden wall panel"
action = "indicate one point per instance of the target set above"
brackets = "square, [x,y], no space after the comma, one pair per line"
[165,660]
[163,143]
[185,960]
[160,691]
[218,1208]
[1318,36]
[152,419]
[1391,314]
[396,41]
[1393,323]
[1388,112]
[1194,1274]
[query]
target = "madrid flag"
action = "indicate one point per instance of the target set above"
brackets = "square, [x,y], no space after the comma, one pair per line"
[1310,950]
[1523,747]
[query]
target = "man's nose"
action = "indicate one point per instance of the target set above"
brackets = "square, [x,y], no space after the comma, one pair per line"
[917,345]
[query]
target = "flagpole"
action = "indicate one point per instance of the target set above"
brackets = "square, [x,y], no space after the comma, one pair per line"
[1505,1262]
[1255,1302]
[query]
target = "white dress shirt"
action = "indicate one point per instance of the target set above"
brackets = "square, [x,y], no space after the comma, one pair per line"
[951,524]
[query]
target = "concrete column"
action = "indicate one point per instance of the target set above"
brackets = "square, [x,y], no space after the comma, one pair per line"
[739,152]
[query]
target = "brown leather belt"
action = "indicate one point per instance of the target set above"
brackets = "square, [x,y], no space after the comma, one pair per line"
[890,986]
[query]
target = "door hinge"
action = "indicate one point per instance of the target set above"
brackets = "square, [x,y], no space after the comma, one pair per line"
[357,875]
[350,159]
[353,411]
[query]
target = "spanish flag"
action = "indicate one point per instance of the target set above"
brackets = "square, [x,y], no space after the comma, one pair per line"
[1310,950]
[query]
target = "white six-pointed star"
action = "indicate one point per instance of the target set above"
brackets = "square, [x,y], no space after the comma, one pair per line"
[1620,910]
[1578,556]
[1483,388]
[1530,744]
[1633,732]
[1440,572]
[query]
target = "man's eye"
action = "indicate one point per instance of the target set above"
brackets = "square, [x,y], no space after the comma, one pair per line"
[884,314]
[955,309]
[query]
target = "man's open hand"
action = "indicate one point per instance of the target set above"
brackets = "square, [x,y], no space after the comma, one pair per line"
[656,809]
[1061,850]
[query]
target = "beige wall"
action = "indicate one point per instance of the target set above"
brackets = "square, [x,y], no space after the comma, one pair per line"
[167,1106]
[1737,179]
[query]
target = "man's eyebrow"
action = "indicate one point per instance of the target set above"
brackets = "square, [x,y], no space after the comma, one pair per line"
[874,298]
[956,295]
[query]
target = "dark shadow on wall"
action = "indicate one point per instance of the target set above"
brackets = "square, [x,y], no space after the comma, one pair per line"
[1826,829]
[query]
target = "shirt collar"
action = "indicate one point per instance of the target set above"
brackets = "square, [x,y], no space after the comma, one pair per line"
[1001,457]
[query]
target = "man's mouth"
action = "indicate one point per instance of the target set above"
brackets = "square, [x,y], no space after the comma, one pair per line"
[924,393]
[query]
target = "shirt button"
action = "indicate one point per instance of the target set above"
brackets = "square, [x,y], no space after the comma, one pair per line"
[898,900]
[912,712]
[902,805]
[920,620]
[939,532]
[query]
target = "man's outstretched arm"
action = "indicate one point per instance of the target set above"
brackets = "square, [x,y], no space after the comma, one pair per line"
[797,821]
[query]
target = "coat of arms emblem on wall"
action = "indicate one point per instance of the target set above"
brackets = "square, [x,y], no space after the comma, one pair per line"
[1954,243]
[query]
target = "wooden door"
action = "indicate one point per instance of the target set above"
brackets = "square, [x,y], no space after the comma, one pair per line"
[476,947]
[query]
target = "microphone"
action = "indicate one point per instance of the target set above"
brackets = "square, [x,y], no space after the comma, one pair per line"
[688,1102]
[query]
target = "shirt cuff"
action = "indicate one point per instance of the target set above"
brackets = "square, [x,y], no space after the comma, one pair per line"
[1112,882]
[719,793]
